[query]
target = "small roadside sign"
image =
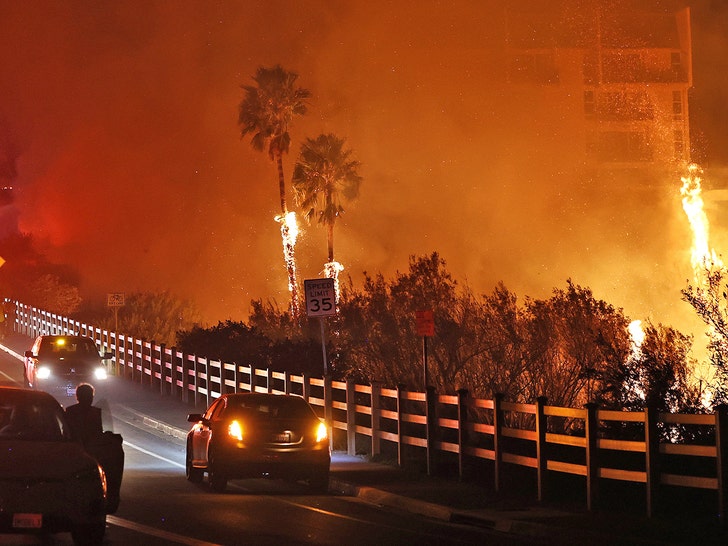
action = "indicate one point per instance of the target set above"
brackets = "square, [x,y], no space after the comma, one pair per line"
[320,297]
[425,323]
[115,300]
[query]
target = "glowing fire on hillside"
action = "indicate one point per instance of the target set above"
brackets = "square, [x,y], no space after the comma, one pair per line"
[702,256]
[637,337]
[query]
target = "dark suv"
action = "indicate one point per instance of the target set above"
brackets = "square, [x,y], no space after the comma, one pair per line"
[48,483]
[62,362]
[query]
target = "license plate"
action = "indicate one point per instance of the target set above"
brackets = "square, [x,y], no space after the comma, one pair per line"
[70,390]
[27,521]
[283,438]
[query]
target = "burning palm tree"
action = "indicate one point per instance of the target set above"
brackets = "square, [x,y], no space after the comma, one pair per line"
[323,175]
[266,112]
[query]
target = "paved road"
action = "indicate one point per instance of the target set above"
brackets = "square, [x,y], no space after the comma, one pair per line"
[160,507]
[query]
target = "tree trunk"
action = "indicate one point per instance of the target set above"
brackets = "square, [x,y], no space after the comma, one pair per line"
[289,250]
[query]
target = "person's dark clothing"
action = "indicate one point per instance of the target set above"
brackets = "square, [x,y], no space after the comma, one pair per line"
[84,422]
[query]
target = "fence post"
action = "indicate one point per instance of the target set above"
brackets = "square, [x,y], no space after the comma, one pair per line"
[132,359]
[121,356]
[652,456]
[721,445]
[236,376]
[328,408]
[173,372]
[400,424]
[541,450]
[350,417]
[462,430]
[288,382]
[498,440]
[431,419]
[195,381]
[151,363]
[253,378]
[591,426]
[185,378]
[162,368]
[306,386]
[376,417]
[208,383]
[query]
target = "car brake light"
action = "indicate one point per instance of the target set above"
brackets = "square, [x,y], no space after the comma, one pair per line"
[322,432]
[235,431]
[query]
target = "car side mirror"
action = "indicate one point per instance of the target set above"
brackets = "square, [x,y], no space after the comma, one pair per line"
[107,355]
[194,417]
[29,354]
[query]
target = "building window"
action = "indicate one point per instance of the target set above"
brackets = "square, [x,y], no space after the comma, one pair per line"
[589,106]
[678,143]
[624,147]
[625,106]
[590,66]
[533,68]
[675,63]
[677,106]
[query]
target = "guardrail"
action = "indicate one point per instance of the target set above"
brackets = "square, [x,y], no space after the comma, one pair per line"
[588,442]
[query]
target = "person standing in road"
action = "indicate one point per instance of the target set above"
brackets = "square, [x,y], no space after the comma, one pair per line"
[84,419]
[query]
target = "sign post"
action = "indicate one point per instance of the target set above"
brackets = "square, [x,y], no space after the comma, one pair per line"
[425,328]
[115,300]
[321,303]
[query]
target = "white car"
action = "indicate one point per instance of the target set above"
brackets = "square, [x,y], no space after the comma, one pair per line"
[57,364]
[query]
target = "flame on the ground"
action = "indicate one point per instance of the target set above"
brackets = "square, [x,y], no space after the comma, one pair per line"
[637,338]
[636,335]
[702,256]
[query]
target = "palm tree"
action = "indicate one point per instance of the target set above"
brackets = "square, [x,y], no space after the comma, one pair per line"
[266,112]
[323,175]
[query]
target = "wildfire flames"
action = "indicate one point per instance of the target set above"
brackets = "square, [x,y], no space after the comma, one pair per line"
[692,201]
[637,336]
[331,271]
[289,234]
[702,257]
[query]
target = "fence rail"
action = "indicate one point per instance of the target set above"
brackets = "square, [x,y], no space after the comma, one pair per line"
[588,442]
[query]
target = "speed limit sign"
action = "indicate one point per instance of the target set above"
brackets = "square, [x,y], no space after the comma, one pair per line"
[320,297]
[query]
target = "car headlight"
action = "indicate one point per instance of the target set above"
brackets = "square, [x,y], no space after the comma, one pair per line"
[322,432]
[100,373]
[43,372]
[235,431]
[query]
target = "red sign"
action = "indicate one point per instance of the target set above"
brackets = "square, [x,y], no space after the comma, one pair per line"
[425,323]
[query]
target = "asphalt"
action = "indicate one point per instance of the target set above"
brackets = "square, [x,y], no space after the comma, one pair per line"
[449,499]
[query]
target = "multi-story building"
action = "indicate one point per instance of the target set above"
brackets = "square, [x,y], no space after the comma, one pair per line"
[628,62]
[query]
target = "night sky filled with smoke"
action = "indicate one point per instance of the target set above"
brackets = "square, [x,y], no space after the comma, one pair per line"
[127,160]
